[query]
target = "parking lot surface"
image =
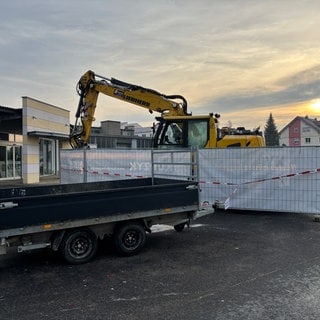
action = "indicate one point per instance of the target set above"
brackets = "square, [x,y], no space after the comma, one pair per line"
[229,265]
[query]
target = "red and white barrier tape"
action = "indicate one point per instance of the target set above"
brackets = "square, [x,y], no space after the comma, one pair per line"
[105,173]
[226,202]
[290,175]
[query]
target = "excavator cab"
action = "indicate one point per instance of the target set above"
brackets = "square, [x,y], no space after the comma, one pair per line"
[182,132]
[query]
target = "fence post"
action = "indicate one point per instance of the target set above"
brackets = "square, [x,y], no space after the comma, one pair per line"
[85,166]
[152,167]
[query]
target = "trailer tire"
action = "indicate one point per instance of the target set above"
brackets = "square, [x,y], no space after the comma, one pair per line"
[79,246]
[129,238]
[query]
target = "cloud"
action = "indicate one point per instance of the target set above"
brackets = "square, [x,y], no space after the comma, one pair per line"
[299,87]
[220,55]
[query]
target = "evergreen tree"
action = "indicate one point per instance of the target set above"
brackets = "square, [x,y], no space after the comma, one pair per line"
[271,134]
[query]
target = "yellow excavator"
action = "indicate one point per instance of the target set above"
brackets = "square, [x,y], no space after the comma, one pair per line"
[176,128]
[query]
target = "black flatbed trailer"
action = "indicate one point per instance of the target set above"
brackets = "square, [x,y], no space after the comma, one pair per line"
[70,218]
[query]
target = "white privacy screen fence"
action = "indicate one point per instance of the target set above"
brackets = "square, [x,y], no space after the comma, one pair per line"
[267,179]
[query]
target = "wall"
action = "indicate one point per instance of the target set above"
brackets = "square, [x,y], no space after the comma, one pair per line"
[309,136]
[39,118]
[295,133]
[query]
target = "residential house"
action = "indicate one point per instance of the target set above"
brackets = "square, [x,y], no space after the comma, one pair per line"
[301,131]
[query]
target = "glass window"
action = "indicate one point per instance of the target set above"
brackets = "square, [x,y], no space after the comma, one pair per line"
[10,157]
[3,162]
[47,157]
[171,135]
[18,161]
[197,133]
[10,161]
[184,133]
[18,138]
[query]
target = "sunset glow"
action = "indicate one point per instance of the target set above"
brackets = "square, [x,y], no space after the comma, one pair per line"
[223,58]
[315,105]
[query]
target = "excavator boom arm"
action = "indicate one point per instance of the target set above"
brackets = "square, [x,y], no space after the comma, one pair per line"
[91,85]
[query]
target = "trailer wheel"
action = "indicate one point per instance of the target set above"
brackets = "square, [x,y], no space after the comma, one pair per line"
[129,238]
[79,246]
[179,227]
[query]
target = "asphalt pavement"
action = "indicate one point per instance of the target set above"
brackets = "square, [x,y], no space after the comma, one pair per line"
[230,265]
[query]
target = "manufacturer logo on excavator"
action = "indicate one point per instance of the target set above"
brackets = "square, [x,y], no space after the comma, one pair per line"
[121,94]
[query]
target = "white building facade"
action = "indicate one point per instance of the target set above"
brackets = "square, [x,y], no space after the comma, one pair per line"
[31,139]
[301,131]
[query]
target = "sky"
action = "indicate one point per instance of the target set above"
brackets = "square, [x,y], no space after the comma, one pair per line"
[243,59]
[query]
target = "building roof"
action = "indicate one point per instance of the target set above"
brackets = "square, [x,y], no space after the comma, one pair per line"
[313,123]
[45,134]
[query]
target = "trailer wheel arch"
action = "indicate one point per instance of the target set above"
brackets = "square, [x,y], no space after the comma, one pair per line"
[129,237]
[78,245]
[56,240]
